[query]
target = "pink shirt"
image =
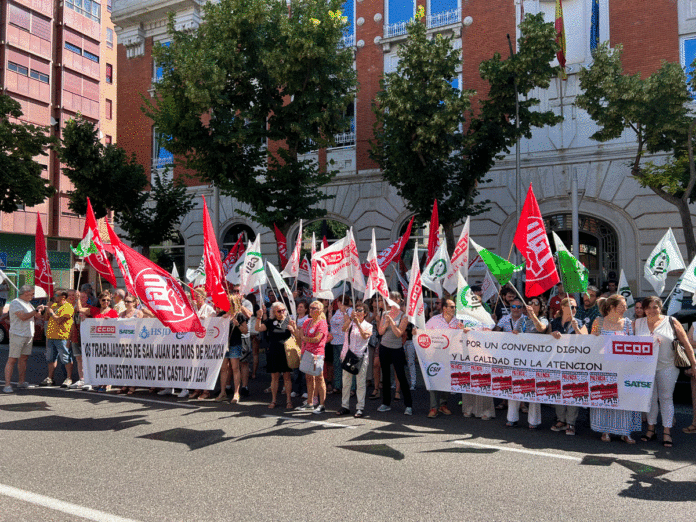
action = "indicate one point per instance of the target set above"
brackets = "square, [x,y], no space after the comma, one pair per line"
[311,329]
[438,322]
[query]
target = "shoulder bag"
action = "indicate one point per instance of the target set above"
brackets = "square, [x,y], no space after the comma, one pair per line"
[351,362]
[311,365]
[292,353]
[680,358]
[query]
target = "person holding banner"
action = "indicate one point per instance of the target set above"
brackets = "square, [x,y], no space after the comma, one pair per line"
[230,364]
[391,351]
[355,340]
[663,329]
[604,420]
[567,323]
[279,328]
[313,337]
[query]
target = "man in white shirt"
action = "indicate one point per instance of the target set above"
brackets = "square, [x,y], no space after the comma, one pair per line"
[22,317]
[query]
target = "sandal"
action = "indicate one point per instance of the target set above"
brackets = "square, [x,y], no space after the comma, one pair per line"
[690,429]
[667,443]
[397,396]
[606,437]
[220,398]
[647,437]
[195,394]
[374,395]
[511,424]
[235,399]
[272,405]
[627,439]
[288,406]
[204,396]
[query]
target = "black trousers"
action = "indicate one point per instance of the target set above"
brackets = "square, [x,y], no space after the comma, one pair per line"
[397,357]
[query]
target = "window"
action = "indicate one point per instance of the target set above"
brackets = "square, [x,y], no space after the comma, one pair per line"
[89,8]
[41,27]
[19,16]
[109,109]
[19,69]
[39,76]
[399,12]
[73,48]
[158,70]
[687,57]
[161,157]
[107,140]
[108,5]
[348,10]
[90,56]
[109,73]
[443,12]
[110,37]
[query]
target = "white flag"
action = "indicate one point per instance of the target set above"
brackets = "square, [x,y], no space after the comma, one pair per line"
[292,268]
[414,299]
[197,276]
[459,261]
[488,287]
[664,258]
[357,279]
[435,272]
[469,307]
[280,285]
[376,282]
[233,274]
[689,279]
[305,273]
[625,291]
[676,299]
[175,272]
[318,275]
[252,273]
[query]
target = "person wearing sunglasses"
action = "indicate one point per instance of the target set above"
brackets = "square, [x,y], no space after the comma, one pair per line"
[357,332]
[279,327]
[567,323]
[514,321]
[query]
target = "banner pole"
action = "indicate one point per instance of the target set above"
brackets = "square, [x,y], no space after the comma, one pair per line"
[77,288]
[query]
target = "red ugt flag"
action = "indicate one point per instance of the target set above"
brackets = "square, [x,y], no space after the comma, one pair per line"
[531,240]
[42,269]
[156,288]
[213,265]
[98,261]
[390,253]
[234,255]
[433,233]
[282,246]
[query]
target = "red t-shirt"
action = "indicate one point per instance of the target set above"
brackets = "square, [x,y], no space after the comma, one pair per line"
[110,314]
[310,329]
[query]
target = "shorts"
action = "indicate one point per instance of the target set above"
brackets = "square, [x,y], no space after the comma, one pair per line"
[76,349]
[57,349]
[19,345]
[235,352]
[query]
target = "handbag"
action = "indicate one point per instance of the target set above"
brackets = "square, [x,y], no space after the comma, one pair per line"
[292,353]
[680,358]
[246,350]
[352,363]
[311,365]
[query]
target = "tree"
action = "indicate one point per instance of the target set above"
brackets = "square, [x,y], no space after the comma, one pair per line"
[113,181]
[20,174]
[257,73]
[655,110]
[431,143]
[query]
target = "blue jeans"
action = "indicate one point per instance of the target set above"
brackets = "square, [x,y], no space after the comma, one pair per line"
[57,349]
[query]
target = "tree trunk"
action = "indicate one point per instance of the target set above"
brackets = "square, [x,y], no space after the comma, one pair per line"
[688,228]
[146,251]
[449,236]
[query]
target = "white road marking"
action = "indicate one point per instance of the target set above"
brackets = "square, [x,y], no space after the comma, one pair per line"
[59,505]
[321,423]
[517,450]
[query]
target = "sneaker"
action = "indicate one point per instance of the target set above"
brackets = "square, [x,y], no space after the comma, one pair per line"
[570,430]
[383,407]
[319,409]
[342,411]
[24,385]
[432,413]
[166,391]
[87,387]
[408,411]
[358,414]
[46,382]
[293,395]
[444,410]
[304,395]
[305,407]
[100,389]
[77,385]
[183,394]
[66,383]
[7,389]
[244,391]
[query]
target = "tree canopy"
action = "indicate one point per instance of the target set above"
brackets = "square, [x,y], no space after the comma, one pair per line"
[253,89]
[21,182]
[432,143]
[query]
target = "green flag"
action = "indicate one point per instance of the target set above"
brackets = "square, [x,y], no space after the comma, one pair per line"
[500,268]
[574,275]
[86,246]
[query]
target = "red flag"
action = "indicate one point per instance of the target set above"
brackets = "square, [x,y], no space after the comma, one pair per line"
[234,255]
[156,288]
[98,261]
[213,265]
[560,38]
[42,268]
[392,252]
[324,243]
[282,246]
[433,240]
[531,240]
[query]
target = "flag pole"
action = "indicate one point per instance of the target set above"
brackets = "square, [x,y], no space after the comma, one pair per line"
[77,287]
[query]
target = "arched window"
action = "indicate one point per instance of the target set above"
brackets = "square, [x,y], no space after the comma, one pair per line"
[233,234]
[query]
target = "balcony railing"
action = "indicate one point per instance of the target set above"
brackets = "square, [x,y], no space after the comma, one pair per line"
[445,18]
[347,41]
[396,29]
[345,139]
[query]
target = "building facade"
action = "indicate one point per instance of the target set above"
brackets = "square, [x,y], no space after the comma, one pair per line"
[619,221]
[57,59]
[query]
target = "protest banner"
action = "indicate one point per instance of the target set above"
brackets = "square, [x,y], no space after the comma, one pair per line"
[143,352]
[614,372]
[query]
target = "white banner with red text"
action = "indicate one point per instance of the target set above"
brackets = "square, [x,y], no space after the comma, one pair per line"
[143,352]
[615,372]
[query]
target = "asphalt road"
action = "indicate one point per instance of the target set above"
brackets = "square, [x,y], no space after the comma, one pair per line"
[73,455]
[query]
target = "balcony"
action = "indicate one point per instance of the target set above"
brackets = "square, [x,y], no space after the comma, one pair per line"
[347,41]
[397,29]
[445,18]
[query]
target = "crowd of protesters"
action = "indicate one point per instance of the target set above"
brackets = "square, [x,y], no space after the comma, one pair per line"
[347,348]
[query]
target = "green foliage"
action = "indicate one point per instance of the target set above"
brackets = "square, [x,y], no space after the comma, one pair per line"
[431,143]
[257,72]
[20,175]
[671,177]
[115,182]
